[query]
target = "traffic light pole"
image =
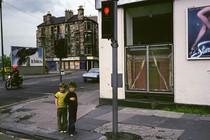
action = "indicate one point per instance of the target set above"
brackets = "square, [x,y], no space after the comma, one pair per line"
[115,74]
[60,69]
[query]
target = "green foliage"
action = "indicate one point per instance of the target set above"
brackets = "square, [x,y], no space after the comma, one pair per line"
[188,109]
[7,64]
[7,61]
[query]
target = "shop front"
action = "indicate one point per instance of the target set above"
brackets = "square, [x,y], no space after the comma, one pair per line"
[73,63]
[154,53]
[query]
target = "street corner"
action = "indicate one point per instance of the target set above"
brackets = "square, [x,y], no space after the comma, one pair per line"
[36,112]
[16,114]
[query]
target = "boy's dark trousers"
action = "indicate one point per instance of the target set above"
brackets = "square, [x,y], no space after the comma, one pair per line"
[62,119]
[72,119]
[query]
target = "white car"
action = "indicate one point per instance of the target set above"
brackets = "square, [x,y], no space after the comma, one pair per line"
[92,74]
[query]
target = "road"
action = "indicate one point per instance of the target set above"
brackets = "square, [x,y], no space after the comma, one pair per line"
[37,88]
[40,87]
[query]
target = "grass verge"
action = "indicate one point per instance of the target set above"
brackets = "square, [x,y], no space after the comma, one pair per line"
[188,109]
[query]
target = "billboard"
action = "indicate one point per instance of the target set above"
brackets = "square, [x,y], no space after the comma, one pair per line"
[198,37]
[26,56]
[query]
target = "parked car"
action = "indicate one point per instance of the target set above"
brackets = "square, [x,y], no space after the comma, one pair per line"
[92,74]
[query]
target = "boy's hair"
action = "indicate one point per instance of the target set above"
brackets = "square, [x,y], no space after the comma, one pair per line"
[72,84]
[62,85]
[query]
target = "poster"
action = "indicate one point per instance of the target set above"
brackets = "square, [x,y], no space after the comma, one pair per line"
[198,21]
[26,56]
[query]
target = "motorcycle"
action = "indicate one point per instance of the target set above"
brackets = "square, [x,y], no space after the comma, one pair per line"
[10,83]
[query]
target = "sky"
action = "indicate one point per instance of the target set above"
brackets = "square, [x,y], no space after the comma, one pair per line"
[20,18]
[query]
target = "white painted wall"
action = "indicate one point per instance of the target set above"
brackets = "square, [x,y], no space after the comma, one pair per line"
[105,59]
[192,79]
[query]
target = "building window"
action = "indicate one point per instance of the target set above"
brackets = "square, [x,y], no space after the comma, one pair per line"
[72,51]
[67,28]
[77,50]
[77,37]
[72,65]
[77,65]
[58,29]
[42,31]
[149,51]
[88,25]
[88,37]
[88,50]
[149,68]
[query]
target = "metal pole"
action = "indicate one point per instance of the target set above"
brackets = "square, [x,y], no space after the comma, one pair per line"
[60,69]
[2,47]
[147,49]
[115,74]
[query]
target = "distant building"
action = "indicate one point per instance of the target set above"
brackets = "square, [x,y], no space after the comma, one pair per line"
[81,34]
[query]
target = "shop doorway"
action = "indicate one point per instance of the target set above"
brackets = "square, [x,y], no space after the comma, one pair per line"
[149,48]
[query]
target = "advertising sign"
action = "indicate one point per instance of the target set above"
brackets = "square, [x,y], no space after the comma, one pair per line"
[198,45]
[26,56]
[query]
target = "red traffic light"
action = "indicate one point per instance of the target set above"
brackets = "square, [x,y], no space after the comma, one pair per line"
[106,10]
[107,19]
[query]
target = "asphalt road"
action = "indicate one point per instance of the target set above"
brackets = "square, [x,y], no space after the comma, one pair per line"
[40,87]
[37,87]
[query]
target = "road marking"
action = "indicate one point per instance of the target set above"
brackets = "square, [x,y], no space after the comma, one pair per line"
[30,83]
[53,80]
[10,136]
[6,135]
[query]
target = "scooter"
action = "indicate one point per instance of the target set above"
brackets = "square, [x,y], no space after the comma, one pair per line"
[10,83]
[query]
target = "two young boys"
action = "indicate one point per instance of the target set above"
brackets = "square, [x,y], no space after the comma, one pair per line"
[63,100]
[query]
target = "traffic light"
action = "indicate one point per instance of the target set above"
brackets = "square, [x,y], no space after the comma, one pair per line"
[60,47]
[108,19]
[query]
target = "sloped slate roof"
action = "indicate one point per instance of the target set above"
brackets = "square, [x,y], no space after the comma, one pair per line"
[59,20]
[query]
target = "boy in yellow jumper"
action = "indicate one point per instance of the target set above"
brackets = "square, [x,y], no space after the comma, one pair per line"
[61,108]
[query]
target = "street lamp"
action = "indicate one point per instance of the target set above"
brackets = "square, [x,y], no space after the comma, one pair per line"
[2,48]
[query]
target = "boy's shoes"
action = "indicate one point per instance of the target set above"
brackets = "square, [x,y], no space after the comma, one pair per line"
[63,131]
[71,135]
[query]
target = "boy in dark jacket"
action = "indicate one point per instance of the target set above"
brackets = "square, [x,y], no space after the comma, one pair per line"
[71,101]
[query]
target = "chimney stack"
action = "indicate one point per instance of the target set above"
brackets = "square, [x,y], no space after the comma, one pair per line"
[80,13]
[68,14]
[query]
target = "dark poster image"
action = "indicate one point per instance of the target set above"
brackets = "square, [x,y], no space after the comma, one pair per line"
[199,33]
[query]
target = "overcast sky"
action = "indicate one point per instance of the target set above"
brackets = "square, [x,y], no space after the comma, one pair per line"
[21,18]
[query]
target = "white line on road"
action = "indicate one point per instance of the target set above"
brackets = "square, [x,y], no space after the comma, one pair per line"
[30,83]
[53,80]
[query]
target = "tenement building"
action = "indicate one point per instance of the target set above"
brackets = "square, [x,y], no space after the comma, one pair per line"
[81,33]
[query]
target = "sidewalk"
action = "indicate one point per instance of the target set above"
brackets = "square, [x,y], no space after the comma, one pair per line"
[38,118]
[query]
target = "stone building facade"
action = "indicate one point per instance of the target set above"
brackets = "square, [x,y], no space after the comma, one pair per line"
[81,34]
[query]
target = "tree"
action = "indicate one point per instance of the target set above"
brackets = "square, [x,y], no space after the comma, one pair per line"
[7,61]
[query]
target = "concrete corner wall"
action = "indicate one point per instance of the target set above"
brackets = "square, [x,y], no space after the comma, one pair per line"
[191,77]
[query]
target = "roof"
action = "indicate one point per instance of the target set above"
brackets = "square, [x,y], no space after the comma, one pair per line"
[60,20]
[54,20]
